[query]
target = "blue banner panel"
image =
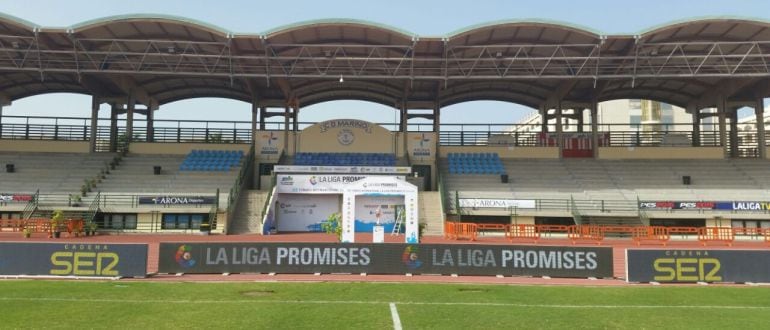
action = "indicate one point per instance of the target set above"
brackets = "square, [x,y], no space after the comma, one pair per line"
[690,266]
[461,259]
[70,259]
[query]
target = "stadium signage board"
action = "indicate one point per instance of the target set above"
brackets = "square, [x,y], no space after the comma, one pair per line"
[690,266]
[316,184]
[305,258]
[497,203]
[66,259]
[176,200]
[15,198]
[727,206]
[369,170]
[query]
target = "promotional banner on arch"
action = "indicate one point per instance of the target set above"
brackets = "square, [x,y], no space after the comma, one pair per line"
[308,258]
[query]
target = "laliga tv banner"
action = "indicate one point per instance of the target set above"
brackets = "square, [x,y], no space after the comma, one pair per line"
[108,260]
[689,266]
[306,258]
[726,206]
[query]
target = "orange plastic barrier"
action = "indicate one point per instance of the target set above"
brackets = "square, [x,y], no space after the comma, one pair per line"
[12,224]
[585,233]
[74,225]
[655,234]
[460,230]
[716,234]
[522,232]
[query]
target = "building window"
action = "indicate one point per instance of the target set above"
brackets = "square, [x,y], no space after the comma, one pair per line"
[117,221]
[184,220]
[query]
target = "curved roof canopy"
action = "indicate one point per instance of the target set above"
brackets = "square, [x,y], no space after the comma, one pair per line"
[159,59]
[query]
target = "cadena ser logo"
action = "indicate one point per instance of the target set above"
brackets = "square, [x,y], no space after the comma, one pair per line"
[410,258]
[184,256]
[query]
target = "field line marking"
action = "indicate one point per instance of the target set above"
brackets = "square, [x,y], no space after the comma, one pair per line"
[394,316]
[369,302]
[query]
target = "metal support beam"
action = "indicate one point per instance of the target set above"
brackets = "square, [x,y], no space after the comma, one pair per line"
[595,127]
[1,121]
[759,113]
[543,119]
[94,123]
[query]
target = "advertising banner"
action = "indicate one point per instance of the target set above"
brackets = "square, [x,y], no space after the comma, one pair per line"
[109,260]
[689,266]
[315,169]
[314,184]
[726,206]
[421,145]
[305,258]
[269,144]
[305,212]
[15,198]
[176,200]
[370,209]
[497,203]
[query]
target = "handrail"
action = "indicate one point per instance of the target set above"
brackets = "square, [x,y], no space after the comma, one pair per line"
[31,206]
[575,211]
[268,203]
[93,208]
[244,176]
[214,212]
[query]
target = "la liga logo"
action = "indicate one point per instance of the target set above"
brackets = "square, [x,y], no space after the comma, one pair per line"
[184,256]
[410,258]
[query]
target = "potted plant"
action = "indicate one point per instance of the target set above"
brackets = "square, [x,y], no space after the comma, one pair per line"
[91,229]
[75,200]
[56,220]
[27,232]
[205,229]
[333,225]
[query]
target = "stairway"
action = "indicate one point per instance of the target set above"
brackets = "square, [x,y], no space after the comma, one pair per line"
[248,213]
[430,213]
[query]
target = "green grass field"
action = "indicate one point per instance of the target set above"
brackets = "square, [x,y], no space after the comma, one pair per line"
[71,304]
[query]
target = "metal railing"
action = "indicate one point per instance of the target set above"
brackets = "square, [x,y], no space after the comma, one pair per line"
[244,177]
[31,206]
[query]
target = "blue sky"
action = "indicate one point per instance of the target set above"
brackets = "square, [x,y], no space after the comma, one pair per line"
[418,16]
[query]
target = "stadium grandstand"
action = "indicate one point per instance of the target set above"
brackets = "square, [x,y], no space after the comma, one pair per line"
[274,174]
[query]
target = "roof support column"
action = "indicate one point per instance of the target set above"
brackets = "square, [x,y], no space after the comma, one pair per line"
[1,121]
[436,117]
[579,113]
[94,123]
[262,113]
[150,124]
[595,128]
[130,119]
[559,129]
[695,124]
[286,116]
[734,134]
[403,118]
[295,118]
[543,119]
[722,114]
[254,112]
[114,128]
[759,113]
